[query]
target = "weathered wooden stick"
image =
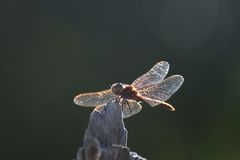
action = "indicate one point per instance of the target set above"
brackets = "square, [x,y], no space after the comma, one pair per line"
[106,136]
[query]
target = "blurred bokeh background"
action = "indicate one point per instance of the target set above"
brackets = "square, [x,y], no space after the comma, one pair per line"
[53,50]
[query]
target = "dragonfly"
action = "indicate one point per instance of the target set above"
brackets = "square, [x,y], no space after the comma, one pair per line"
[150,87]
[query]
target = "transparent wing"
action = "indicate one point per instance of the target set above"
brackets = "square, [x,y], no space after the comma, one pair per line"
[94,99]
[155,75]
[130,108]
[158,93]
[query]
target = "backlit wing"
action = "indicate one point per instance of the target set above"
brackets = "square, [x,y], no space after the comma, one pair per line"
[94,99]
[155,75]
[158,93]
[130,108]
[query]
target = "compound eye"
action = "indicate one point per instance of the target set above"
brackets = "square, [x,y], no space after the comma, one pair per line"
[117,88]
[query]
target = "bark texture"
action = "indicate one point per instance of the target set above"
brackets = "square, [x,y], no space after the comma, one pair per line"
[106,136]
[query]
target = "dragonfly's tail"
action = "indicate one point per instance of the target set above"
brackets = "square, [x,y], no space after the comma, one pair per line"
[154,102]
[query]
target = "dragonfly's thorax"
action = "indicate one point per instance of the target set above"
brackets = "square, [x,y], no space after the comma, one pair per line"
[124,91]
[129,93]
[117,88]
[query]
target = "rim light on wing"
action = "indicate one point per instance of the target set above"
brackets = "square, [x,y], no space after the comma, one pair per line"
[129,107]
[161,91]
[155,75]
[94,99]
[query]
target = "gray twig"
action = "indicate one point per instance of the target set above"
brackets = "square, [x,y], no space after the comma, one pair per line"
[106,136]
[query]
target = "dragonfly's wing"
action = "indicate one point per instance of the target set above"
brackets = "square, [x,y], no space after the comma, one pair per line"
[94,99]
[155,75]
[158,93]
[130,108]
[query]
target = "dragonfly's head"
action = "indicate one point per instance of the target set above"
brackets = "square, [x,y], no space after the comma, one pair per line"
[117,88]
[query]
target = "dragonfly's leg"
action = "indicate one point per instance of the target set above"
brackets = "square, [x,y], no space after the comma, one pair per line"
[122,105]
[116,99]
[121,102]
[129,106]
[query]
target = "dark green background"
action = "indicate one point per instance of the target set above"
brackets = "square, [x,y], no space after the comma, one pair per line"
[52,50]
